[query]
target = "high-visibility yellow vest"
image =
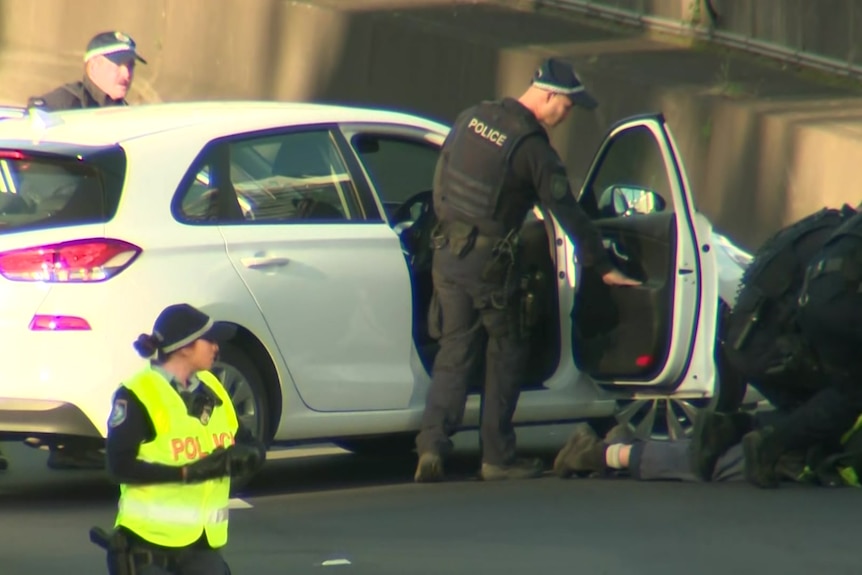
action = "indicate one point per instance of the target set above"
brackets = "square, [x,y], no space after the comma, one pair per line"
[176,514]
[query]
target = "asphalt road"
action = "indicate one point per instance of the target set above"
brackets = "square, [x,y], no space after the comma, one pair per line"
[316,510]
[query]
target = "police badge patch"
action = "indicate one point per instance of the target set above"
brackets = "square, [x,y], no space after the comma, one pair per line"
[559,186]
[118,413]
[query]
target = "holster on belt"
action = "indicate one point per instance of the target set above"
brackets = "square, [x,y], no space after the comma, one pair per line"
[116,544]
[498,269]
[124,557]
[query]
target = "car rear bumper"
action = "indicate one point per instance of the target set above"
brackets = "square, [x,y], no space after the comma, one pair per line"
[21,418]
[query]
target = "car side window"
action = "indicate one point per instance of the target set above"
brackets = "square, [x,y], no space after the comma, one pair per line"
[296,177]
[399,167]
[631,178]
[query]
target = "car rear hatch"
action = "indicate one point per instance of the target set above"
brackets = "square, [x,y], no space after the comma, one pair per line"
[54,203]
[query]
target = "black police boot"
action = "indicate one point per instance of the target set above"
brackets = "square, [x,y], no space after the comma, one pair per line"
[762,450]
[713,434]
[584,452]
[429,469]
[518,469]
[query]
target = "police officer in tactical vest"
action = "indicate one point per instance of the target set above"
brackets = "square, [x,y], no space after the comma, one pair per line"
[494,166]
[174,442]
[830,319]
[109,68]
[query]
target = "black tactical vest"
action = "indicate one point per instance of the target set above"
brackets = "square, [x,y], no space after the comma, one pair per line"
[475,168]
[761,337]
[852,227]
[842,252]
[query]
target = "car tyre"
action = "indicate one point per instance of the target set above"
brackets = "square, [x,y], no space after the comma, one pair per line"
[664,418]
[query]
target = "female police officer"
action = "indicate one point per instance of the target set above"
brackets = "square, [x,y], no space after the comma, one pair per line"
[173,443]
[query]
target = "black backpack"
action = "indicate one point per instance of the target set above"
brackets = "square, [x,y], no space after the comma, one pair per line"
[761,339]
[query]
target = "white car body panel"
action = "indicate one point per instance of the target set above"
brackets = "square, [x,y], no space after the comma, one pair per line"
[340,317]
[330,303]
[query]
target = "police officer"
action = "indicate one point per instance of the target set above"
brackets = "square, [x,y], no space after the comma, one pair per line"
[495,164]
[109,68]
[173,444]
[830,317]
[109,65]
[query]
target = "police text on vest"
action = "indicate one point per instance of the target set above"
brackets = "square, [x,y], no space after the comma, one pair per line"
[190,447]
[490,134]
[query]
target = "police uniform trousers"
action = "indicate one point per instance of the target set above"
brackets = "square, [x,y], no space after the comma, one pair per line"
[473,329]
[830,318]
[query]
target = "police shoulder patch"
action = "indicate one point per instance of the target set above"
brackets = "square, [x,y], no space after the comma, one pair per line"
[118,413]
[559,186]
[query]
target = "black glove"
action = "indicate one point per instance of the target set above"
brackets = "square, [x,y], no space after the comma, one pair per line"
[244,459]
[216,464]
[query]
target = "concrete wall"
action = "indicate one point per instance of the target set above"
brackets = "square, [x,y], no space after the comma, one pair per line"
[824,28]
[762,147]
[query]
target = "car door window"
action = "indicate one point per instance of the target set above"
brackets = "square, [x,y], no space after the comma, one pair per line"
[296,177]
[399,167]
[631,178]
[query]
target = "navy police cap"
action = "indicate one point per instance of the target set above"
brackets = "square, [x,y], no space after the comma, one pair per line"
[115,46]
[559,77]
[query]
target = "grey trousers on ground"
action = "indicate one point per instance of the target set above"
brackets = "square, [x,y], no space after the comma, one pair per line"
[671,460]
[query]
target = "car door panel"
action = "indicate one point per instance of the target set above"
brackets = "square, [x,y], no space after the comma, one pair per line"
[624,331]
[639,335]
[398,162]
[331,284]
[334,298]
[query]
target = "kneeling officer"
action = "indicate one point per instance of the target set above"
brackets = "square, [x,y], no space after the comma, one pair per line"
[174,442]
[830,317]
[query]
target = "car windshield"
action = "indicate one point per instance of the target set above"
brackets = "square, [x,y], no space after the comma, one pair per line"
[41,191]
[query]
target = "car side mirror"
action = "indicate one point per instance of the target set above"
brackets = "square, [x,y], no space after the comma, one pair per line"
[620,201]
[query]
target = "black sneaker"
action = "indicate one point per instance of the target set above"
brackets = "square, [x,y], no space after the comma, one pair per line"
[620,433]
[518,469]
[583,452]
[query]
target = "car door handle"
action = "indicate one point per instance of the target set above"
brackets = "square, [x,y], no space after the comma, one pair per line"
[612,245]
[258,262]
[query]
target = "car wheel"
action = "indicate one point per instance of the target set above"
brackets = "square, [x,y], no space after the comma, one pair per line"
[388,446]
[664,418]
[243,382]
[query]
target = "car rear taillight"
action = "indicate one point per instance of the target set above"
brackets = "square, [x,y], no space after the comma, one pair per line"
[80,261]
[58,323]
[12,155]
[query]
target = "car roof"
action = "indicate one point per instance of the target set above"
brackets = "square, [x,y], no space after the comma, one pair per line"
[116,124]
[7,112]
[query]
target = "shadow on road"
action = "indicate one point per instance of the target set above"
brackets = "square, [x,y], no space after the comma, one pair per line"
[293,474]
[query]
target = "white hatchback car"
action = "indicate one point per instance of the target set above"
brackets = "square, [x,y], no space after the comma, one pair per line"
[306,226]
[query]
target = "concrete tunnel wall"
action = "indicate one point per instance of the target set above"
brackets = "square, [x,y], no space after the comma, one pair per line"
[754,165]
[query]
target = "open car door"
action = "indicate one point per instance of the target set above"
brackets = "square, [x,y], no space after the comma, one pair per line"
[636,191]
